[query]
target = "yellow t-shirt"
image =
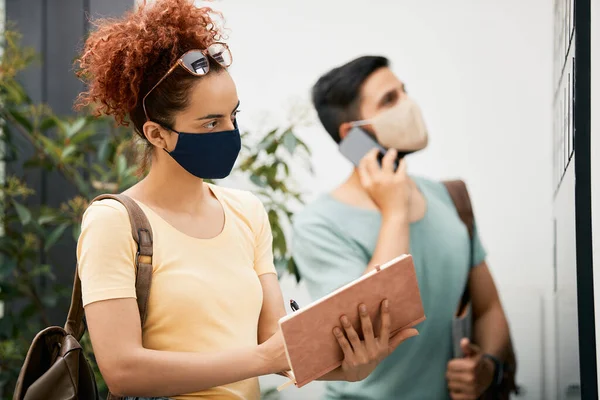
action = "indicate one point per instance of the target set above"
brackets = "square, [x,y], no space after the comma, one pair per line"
[205,294]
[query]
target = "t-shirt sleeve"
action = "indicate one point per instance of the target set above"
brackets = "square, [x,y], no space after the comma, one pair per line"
[479,253]
[263,239]
[106,253]
[325,259]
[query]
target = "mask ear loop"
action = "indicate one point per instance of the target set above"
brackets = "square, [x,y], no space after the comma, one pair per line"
[364,122]
[170,130]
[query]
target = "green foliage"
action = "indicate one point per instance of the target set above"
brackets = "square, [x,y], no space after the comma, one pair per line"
[267,166]
[95,157]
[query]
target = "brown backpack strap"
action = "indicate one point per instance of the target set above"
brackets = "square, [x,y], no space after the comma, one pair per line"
[142,234]
[459,194]
[460,197]
[74,325]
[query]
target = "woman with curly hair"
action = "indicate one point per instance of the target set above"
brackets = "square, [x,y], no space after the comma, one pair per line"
[213,311]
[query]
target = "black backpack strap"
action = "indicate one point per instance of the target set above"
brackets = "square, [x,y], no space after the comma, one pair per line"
[142,234]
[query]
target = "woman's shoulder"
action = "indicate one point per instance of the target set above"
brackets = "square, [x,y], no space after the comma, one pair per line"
[238,199]
[105,220]
[105,232]
[243,205]
[106,210]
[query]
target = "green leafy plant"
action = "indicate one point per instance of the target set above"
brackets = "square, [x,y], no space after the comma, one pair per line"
[267,165]
[95,157]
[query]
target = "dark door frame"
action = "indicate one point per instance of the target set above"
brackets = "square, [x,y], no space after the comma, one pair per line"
[583,201]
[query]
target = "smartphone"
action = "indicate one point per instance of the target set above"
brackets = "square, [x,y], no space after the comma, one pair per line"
[358,143]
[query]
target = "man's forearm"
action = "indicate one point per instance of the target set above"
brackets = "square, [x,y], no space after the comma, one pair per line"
[393,240]
[491,332]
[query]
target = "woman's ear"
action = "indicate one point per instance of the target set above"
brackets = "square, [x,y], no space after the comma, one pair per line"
[156,134]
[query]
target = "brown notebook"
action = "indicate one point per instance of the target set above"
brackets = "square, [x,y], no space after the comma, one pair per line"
[311,347]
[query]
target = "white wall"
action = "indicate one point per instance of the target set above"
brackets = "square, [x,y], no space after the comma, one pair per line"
[481,71]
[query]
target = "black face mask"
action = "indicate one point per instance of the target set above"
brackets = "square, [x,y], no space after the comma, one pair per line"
[207,155]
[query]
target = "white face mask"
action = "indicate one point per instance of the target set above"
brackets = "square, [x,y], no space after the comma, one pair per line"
[401,127]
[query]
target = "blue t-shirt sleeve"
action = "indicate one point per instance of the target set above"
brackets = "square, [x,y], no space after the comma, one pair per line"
[479,253]
[326,260]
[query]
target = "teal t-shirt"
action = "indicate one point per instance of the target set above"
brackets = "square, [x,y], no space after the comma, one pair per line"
[334,242]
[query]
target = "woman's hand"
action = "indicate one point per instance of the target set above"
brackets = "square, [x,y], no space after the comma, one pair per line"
[273,353]
[362,356]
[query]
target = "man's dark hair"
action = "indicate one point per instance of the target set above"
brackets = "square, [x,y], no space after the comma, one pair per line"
[336,94]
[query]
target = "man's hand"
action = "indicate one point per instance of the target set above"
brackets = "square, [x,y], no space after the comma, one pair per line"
[469,377]
[390,190]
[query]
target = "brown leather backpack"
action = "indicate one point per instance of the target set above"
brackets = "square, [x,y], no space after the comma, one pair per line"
[460,197]
[55,367]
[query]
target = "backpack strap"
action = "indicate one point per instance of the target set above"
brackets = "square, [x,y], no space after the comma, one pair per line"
[459,194]
[460,197]
[142,234]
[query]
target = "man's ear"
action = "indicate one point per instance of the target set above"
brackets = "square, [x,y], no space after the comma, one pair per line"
[344,129]
[156,134]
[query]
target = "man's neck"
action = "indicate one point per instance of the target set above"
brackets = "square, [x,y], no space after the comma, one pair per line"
[352,192]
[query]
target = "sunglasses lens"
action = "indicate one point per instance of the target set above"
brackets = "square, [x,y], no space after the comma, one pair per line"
[196,62]
[220,53]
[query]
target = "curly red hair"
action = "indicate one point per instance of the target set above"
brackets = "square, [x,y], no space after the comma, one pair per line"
[123,58]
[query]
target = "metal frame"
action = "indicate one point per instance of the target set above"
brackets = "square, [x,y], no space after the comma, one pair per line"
[583,201]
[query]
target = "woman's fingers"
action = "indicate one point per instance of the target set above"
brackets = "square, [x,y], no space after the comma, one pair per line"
[384,328]
[371,348]
[384,331]
[344,344]
[367,329]
[401,337]
[351,334]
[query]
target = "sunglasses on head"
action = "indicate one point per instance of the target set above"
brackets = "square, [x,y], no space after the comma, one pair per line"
[196,63]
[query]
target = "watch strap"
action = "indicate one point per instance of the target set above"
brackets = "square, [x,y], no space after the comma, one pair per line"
[498,370]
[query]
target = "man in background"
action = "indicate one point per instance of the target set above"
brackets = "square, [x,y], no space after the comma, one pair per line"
[379,213]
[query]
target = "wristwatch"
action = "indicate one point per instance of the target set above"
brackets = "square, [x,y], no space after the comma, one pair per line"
[498,370]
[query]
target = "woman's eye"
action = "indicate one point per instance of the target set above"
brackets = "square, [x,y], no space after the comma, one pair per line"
[211,125]
[235,114]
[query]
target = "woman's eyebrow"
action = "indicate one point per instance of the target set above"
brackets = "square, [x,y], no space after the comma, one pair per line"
[214,116]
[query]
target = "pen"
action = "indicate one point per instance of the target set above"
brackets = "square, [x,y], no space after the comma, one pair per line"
[295,307]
